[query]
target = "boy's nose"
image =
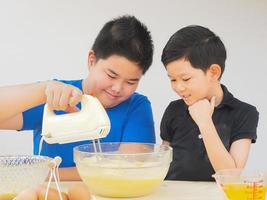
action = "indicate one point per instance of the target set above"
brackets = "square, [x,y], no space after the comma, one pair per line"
[179,87]
[117,87]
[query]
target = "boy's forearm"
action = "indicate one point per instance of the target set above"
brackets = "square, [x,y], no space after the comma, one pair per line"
[218,155]
[69,174]
[18,98]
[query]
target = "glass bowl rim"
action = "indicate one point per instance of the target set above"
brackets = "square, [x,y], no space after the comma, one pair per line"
[243,173]
[11,158]
[167,148]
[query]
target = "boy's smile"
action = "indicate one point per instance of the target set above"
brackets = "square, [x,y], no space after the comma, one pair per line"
[110,95]
[189,83]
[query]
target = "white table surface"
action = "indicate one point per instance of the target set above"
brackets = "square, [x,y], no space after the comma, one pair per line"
[176,190]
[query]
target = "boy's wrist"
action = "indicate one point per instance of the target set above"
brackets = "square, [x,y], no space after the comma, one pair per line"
[205,125]
[41,88]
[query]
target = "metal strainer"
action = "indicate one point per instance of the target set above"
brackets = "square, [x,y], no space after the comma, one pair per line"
[20,172]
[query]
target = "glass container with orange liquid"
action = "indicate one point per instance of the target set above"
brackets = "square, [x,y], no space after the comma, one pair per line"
[238,184]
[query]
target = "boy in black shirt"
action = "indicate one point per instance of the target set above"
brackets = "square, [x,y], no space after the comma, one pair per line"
[208,128]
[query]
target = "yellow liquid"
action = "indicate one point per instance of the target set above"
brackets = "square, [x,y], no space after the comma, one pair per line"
[121,187]
[7,196]
[245,191]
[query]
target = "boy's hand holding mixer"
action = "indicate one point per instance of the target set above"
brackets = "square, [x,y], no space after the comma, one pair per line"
[89,123]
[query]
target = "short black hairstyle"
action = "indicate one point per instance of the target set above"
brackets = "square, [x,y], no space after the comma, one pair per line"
[125,36]
[196,44]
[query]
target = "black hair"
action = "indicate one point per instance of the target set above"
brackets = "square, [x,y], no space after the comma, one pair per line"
[125,36]
[196,44]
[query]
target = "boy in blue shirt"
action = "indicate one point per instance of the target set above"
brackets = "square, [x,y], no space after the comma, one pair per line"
[121,54]
[208,128]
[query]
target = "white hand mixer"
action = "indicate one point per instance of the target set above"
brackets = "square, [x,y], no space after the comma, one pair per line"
[90,123]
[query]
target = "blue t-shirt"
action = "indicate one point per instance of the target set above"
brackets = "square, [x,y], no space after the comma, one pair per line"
[131,121]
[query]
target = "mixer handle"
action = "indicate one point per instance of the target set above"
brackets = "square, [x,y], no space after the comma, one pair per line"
[85,105]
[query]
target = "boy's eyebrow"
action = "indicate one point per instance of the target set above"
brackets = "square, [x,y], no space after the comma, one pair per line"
[181,74]
[131,79]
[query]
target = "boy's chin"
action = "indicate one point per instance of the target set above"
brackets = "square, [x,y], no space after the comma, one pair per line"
[111,104]
[189,103]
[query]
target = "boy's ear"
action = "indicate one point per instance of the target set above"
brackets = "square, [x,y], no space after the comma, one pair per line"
[215,71]
[91,58]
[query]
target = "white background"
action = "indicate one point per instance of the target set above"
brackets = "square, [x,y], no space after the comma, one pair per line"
[41,40]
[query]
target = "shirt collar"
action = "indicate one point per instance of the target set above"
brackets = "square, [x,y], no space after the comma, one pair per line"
[228,98]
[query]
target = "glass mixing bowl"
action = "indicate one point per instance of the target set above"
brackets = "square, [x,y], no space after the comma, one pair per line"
[123,169]
[21,172]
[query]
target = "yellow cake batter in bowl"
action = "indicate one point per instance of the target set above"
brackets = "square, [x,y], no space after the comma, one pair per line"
[123,169]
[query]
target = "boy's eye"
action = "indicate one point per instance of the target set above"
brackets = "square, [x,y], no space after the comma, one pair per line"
[173,80]
[111,76]
[131,83]
[186,79]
